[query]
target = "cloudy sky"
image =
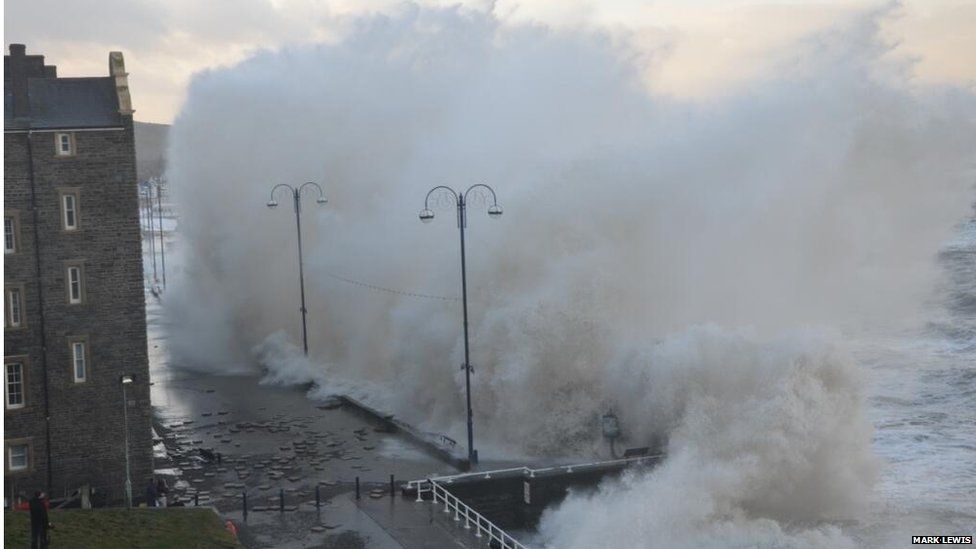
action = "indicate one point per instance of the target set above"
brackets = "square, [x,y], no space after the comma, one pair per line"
[710,45]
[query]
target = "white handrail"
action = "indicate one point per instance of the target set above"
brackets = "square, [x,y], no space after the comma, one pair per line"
[462,511]
[481,524]
[533,472]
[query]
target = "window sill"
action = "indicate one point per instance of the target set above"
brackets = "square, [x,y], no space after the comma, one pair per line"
[12,472]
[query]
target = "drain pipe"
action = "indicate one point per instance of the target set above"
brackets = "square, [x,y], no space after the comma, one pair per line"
[35,217]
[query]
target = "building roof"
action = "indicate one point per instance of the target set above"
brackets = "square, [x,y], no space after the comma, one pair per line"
[35,98]
[65,103]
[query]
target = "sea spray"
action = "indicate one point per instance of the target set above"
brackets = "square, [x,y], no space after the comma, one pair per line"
[658,257]
[284,363]
[814,198]
[766,439]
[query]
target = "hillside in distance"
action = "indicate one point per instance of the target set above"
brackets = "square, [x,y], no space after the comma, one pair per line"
[151,145]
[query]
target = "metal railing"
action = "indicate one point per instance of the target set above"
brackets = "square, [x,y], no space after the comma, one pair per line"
[532,473]
[482,526]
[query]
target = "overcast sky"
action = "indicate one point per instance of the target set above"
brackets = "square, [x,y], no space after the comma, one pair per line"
[712,45]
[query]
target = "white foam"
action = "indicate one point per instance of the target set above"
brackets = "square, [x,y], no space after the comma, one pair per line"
[816,197]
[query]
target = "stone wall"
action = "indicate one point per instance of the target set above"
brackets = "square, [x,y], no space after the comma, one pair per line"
[86,423]
[502,499]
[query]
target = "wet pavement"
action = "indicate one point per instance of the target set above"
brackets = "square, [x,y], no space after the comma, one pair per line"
[221,437]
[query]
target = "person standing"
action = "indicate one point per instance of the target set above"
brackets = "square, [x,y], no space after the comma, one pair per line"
[151,493]
[161,490]
[39,521]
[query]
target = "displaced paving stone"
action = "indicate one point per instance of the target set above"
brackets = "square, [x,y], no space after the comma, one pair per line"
[317,529]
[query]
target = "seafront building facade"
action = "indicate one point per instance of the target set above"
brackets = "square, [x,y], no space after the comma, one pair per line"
[74,306]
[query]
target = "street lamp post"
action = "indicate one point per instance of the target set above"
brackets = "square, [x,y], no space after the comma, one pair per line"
[148,186]
[162,244]
[125,380]
[611,430]
[152,233]
[297,197]
[427,215]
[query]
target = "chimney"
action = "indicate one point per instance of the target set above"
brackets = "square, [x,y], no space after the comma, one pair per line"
[18,80]
[116,69]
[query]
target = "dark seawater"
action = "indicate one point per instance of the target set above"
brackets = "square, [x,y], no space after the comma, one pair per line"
[922,401]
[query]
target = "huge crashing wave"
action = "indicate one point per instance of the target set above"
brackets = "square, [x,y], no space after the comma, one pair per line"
[693,265]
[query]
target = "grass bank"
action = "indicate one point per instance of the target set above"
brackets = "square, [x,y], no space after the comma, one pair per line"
[124,528]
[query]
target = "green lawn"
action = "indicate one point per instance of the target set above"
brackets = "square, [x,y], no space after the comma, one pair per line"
[123,528]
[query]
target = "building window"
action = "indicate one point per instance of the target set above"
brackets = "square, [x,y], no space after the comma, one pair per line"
[69,210]
[75,284]
[79,361]
[14,384]
[18,455]
[14,317]
[11,234]
[65,144]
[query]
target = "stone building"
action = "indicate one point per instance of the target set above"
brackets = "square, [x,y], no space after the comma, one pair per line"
[74,308]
